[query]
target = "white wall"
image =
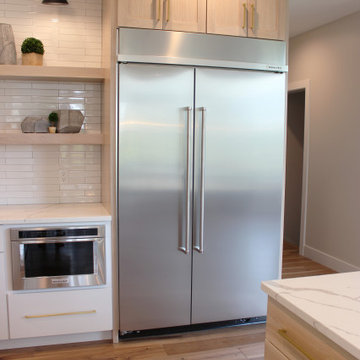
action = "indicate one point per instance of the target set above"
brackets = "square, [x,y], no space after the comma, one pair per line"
[330,56]
[71,34]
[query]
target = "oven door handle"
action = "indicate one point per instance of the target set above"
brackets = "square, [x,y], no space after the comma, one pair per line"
[55,241]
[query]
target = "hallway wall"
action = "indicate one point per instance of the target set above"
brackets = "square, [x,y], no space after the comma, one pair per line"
[329,57]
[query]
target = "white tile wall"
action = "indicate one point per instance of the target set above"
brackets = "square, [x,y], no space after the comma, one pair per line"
[71,34]
[19,99]
[33,174]
[46,174]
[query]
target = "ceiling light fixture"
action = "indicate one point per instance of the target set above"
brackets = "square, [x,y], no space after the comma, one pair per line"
[55,2]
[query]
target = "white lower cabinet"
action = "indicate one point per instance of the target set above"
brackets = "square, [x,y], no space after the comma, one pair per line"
[4,334]
[59,312]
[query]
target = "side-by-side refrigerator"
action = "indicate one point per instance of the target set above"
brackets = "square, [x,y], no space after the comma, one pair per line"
[201,128]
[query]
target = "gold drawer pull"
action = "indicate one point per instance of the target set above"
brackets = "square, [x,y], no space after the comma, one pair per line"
[60,314]
[283,334]
[252,17]
[168,11]
[159,10]
[244,19]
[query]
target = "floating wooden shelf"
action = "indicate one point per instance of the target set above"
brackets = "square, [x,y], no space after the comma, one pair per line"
[58,73]
[50,139]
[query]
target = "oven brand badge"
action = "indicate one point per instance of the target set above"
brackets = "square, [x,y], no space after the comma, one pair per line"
[59,281]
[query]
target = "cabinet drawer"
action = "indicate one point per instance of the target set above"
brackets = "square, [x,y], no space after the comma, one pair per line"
[3,307]
[59,312]
[297,340]
[272,353]
[2,241]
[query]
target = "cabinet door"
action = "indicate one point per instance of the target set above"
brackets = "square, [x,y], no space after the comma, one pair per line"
[272,353]
[227,17]
[184,15]
[267,19]
[140,13]
[3,307]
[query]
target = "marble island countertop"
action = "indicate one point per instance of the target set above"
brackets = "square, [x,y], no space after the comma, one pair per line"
[328,303]
[52,213]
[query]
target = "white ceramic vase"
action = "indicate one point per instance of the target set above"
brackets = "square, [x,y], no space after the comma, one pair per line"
[7,45]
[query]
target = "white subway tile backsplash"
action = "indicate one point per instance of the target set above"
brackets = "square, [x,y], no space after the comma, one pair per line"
[36,174]
[39,98]
[79,22]
[17,154]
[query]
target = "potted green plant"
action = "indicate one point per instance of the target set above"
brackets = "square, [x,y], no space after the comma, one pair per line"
[53,120]
[32,51]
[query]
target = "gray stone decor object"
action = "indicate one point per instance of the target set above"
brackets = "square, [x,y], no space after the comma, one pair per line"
[7,45]
[35,124]
[70,121]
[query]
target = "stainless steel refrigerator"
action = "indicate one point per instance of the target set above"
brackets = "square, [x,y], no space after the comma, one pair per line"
[200,176]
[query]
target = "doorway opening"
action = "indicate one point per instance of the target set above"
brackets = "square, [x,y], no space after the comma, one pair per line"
[297,154]
[294,167]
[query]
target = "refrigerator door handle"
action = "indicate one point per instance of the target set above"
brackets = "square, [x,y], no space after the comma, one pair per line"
[200,246]
[185,247]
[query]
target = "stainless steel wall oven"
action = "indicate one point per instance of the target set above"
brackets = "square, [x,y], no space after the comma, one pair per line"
[58,257]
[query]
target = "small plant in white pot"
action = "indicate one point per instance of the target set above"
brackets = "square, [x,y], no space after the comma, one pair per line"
[32,51]
[53,120]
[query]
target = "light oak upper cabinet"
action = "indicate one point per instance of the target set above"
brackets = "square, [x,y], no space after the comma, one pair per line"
[227,17]
[177,15]
[267,19]
[185,15]
[140,13]
[264,19]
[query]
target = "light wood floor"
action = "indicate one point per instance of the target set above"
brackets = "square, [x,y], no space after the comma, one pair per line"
[236,343]
[295,265]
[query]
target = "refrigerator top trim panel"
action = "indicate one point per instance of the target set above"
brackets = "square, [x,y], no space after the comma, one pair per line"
[179,48]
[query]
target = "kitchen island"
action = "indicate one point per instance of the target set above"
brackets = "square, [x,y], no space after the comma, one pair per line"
[313,317]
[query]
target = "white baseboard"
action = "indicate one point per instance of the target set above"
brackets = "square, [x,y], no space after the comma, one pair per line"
[329,260]
[55,340]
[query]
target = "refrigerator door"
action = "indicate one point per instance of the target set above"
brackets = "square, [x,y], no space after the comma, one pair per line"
[243,157]
[155,161]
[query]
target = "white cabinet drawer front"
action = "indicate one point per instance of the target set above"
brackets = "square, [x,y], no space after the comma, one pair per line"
[3,307]
[2,240]
[60,312]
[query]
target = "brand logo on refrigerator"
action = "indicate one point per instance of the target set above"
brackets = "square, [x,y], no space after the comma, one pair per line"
[274,67]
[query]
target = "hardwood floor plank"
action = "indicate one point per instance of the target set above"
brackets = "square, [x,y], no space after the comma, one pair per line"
[233,353]
[235,343]
[220,343]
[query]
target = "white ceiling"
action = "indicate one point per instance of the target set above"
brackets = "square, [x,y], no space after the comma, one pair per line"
[306,15]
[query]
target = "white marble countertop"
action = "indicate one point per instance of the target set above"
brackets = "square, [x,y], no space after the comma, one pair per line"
[49,213]
[329,303]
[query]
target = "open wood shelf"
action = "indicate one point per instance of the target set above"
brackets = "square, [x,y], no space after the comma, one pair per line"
[58,73]
[50,139]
